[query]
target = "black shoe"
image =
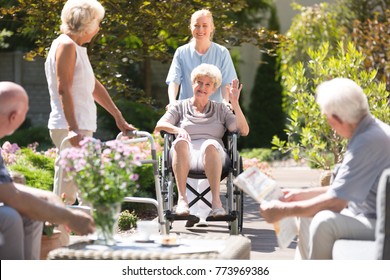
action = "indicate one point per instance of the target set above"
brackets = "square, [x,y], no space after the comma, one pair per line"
[192,221]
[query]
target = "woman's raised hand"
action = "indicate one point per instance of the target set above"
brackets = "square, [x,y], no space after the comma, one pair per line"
[234,90]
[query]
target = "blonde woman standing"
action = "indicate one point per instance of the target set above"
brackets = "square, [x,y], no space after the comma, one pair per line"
[201,49]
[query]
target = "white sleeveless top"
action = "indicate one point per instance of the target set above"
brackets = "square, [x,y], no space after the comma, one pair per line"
[82,89]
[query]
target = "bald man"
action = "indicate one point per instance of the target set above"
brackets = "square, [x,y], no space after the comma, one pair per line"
[23,209]
[13,107]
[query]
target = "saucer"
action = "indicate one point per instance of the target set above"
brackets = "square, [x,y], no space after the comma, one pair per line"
[144,240]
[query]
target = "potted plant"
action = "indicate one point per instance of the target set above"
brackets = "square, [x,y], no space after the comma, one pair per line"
[105,174]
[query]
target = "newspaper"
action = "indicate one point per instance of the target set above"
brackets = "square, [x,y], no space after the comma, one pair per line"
[262,189]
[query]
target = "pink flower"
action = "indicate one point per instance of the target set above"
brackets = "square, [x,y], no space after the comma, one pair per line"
[102,170]
[10,148]
[134,177]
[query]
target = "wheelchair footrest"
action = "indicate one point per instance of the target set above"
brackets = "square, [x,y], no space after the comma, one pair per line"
[232,216]
[173,217]
[228,218]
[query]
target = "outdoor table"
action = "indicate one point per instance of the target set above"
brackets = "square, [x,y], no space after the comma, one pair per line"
[188,247]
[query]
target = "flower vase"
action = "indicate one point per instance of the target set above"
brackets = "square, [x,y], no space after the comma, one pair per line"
[105,217]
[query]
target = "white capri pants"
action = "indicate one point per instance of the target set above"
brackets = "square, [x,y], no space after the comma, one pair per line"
[197,150]
[61,184]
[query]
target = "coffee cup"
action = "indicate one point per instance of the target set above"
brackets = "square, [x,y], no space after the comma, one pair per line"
[146,228]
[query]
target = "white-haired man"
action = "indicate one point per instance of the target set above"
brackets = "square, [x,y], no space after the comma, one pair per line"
[346,208]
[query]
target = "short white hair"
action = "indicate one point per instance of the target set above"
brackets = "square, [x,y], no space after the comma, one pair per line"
[207,70]
[81,16]
[343,98]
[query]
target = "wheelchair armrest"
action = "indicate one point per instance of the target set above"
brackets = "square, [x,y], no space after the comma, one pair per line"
[230,140]
[232,150]
[163,133]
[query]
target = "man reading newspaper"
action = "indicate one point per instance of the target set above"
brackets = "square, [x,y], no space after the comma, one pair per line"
[346,208]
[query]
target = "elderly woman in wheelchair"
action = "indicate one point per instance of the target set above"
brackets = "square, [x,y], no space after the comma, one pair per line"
[199,125]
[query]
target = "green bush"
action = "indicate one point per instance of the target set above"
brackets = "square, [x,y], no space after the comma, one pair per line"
[309,135]
[127,220]
[145,181]
[261,154]
[143,116]
[265,114]
[25,136]
[317,50]
[37,168]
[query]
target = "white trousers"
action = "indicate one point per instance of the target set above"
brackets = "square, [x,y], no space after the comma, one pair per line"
[61,185]
[317,235]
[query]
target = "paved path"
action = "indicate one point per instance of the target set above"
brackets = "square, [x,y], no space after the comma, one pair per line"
[261,234]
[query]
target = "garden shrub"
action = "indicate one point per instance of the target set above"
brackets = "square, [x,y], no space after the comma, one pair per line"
[261,154]
[265,114]
[127,220]
[316,49]
[145,181]
[309,135]
[25,136]
[143,116]
[37,168]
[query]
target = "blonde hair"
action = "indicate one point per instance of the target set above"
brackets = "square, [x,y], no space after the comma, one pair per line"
[207,70]
[206,13]
[81,16]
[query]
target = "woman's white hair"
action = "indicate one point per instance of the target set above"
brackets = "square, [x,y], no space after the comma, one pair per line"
[343,98]
[81,16]
[207,70]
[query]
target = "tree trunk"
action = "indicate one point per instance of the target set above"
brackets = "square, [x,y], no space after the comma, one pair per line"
[147,74]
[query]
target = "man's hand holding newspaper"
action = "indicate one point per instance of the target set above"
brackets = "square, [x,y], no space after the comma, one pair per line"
[263,189]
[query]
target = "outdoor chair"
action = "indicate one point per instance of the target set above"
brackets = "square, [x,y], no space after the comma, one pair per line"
[379,249]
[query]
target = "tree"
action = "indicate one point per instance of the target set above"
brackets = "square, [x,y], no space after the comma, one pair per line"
[312,26]
[265,114]
[309,135]
[350,10]
[368,23]
[3,34]
[326,42]
[137,32]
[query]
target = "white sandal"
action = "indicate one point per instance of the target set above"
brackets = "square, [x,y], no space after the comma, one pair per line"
[182,209]
[216,212]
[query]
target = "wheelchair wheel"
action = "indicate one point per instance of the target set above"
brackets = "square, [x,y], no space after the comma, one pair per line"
[166,193]
[163,183]
[237,225]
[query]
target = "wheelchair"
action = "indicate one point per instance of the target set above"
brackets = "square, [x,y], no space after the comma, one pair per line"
[234,197]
